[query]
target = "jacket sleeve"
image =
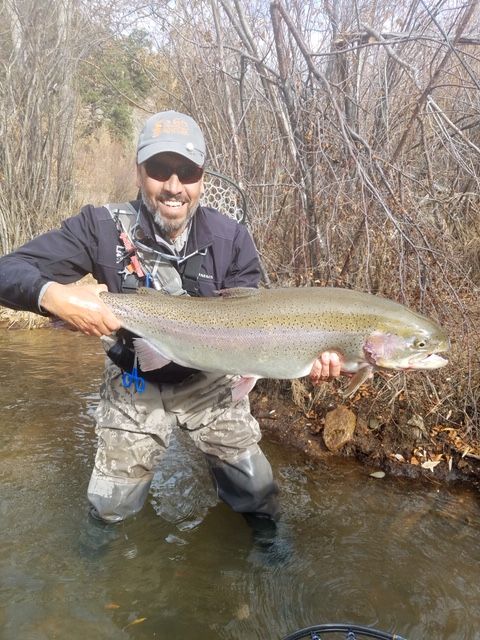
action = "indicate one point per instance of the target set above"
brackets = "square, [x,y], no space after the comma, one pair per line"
[244,270]
[63,255]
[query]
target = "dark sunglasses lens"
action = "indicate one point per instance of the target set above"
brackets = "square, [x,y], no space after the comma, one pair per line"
[157,170]
[161,171]
[189,173]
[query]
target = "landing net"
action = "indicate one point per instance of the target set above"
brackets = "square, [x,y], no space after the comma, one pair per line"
[223,194]
[337,631]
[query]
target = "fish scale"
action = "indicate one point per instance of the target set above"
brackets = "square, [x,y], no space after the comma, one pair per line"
[279,333]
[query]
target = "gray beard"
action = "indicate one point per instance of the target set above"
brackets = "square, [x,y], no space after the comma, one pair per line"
[167,228]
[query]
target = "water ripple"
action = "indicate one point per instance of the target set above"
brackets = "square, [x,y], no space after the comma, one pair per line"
[393,554]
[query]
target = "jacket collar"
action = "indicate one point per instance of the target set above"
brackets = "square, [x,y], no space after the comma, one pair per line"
[200,236]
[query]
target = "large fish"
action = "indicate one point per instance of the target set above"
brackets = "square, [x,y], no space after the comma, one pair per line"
[278,333]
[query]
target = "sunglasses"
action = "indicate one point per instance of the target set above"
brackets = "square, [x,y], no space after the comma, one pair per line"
[161,170]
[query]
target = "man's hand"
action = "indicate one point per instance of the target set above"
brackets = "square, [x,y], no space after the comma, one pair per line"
[81,308]
[327,366]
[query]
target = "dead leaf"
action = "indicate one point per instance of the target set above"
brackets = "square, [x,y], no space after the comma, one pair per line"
[112,605]
[430,464]
[136,621]
[377,474]
[417,421]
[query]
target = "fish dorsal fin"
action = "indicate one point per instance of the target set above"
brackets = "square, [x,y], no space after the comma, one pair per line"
[238,292]
[145,291]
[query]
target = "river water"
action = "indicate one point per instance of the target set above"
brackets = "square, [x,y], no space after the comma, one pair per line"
[397,555]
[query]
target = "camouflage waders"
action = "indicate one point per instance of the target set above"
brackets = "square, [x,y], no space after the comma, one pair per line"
[134,430]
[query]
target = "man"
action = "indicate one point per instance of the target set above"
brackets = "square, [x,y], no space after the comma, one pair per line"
[168,241]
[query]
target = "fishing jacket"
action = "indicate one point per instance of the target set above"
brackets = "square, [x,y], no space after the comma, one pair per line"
[89,243]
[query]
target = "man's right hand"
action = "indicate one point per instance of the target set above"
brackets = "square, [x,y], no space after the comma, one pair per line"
[81,308]
[326,367]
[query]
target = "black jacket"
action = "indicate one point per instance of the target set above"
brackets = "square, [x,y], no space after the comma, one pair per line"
[88,242]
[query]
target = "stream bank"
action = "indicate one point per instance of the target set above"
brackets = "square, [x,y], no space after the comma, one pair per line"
[404,445]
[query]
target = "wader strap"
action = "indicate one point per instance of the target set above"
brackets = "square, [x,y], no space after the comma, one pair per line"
[167,276]
[189,271]
[123,211]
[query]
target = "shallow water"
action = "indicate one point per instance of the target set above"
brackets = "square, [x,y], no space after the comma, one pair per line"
[397,555]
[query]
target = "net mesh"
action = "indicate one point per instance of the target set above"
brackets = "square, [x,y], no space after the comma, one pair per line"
[223,194]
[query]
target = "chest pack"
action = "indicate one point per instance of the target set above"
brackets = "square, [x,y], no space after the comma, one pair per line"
[148,266]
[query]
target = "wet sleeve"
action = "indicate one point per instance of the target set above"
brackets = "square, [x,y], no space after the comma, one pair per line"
[63,255]
[244,270]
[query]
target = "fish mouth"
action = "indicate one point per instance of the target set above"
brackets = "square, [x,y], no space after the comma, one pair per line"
[432,361]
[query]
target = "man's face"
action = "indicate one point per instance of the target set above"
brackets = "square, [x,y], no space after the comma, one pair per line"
[171,186]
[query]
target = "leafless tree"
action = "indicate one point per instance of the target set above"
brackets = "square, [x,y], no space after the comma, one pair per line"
[37,114]
[331,118]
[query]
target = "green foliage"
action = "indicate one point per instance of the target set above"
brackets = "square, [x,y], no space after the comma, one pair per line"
[115,77]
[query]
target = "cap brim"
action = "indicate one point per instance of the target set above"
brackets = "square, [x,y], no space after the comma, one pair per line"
[150,150]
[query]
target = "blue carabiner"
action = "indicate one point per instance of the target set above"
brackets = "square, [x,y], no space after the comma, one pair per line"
[133,378]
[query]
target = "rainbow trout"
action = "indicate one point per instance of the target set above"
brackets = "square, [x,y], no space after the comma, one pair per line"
[278,333]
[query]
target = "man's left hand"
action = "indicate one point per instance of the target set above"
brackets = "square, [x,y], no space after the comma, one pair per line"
[326,367]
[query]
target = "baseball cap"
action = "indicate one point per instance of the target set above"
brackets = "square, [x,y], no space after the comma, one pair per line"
[174,132]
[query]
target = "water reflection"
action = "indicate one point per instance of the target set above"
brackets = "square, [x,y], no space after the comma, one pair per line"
[393,554]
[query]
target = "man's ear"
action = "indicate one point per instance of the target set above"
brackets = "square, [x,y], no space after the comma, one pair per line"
[139,176]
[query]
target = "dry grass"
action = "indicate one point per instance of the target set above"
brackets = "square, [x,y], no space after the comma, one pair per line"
[10,319]
[104,171]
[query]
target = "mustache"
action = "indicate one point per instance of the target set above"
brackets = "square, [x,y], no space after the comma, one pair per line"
[164,197]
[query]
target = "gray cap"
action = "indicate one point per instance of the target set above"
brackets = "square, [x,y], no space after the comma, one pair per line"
[174,132]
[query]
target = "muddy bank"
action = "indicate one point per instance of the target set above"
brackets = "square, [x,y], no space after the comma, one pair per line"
[404,447]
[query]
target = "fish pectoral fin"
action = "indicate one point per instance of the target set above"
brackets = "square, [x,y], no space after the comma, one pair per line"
[148,355]
[242,387]
[237,292]
[358,379]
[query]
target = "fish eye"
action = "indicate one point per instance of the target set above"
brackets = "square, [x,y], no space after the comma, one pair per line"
[420,343]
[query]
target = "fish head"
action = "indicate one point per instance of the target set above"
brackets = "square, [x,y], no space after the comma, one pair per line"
[408,347]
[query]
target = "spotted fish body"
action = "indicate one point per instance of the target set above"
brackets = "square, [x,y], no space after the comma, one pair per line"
[279,333]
